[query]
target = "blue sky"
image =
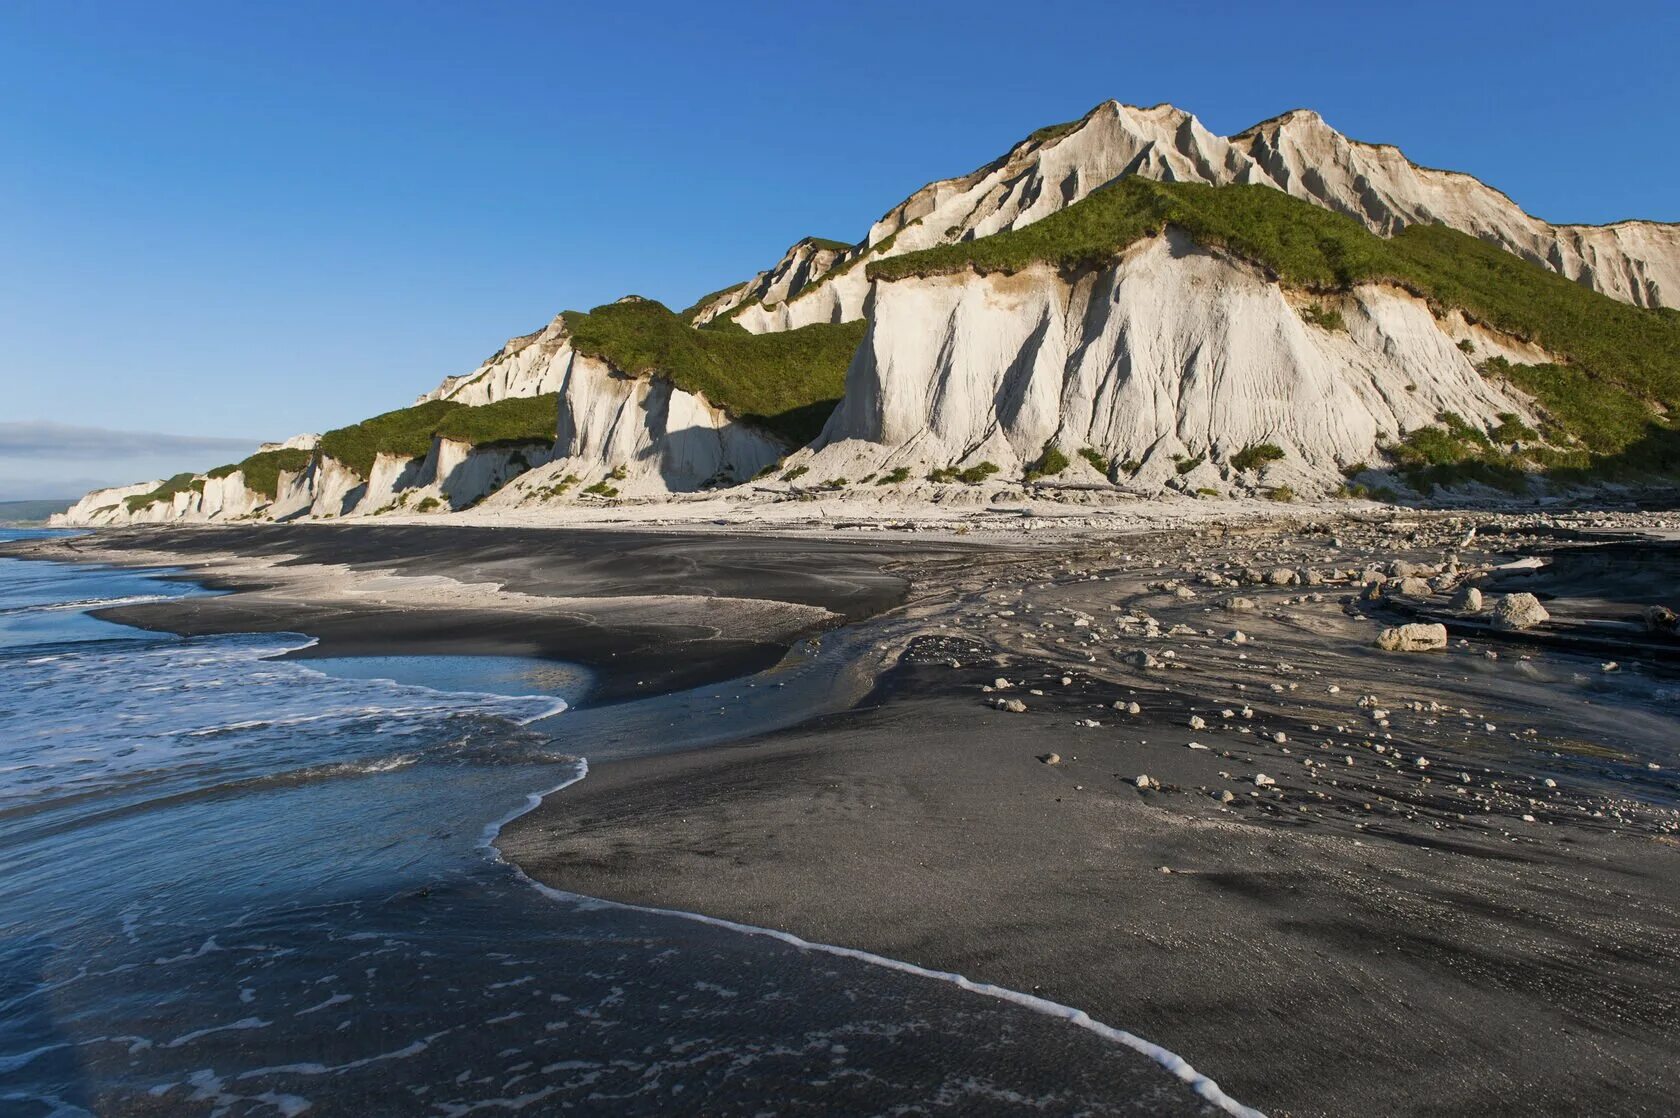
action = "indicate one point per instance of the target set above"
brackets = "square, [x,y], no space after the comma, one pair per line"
[251,220]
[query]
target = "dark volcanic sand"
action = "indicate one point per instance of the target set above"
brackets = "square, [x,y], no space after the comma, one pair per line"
[1364,938]
[633,652]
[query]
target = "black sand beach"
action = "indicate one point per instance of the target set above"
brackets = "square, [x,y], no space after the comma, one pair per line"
[1254,870]
[616,619]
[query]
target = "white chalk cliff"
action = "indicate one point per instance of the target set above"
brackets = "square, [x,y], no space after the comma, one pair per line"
[1164,364]
[1635,261]
[1175,358]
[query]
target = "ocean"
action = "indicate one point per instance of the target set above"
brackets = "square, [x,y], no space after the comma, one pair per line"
[234,884]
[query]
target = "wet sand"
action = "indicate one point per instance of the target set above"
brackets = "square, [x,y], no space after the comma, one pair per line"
[1361,934]
[648,613]
[1365,935]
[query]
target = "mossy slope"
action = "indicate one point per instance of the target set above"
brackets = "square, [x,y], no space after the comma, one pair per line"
[787,383]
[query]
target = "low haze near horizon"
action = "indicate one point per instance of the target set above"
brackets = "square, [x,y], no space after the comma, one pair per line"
[241,223]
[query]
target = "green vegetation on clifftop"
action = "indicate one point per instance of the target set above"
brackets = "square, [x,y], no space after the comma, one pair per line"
[517,420]
[1617,394]
[406,432]
[787,383]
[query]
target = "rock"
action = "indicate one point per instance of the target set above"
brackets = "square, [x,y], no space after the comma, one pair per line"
[1468,600]
[1661,619]
[1238,604]
[1196,722]
[1002,684]
[1141,659]
[1413,638]
[1413,587]
[1282,576]
[1226,796]
[1237,636]
[1519,611]
[1050,758]
[1146,782]
[1261,780]
[1013,706]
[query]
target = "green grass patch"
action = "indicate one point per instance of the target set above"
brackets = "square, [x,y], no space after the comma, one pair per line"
[180,483]
[1185,465]
[1617,393]
[786,383]
[1453,452]
[1098,462]
[1324,318]
[602,489]
[796,473]
[515,421]
[708,299]
[1281,493]
[974,475]
[1256,455]
[262,470]
[1050,462]
[1053,131]
[829,244]
[896,477]
[406,432]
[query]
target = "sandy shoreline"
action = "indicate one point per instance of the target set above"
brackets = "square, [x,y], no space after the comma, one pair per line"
[648,613]
[1365,937]
[1370,937]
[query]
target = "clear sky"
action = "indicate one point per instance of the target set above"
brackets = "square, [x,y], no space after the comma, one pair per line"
[248,220]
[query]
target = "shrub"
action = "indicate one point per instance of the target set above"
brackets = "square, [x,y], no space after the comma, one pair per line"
[1050,462]
[974,475]
[427,504]
[897,477]
[1205,491]
[1131,466]
[1256,455]
[1322,317]
[1281,493]
[601,489]
[1511,429]
[1185,465]
[796,473]
[1093,456]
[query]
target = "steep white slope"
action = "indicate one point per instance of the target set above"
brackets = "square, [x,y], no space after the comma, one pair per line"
[638,437]
[102,506]
[529,365]
[1635,261]
[803,264]
[1172,354]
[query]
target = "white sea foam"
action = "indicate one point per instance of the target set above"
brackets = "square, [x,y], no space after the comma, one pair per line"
[1171,1061]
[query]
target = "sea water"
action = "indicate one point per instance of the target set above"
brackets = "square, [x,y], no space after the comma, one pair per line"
[237,884]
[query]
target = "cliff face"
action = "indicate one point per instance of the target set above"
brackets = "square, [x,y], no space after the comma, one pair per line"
[631,435]
[638,437]
[1175,359]
[1635,261]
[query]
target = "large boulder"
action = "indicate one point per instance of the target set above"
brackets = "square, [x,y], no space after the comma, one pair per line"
[1519,611]
[1416,637]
